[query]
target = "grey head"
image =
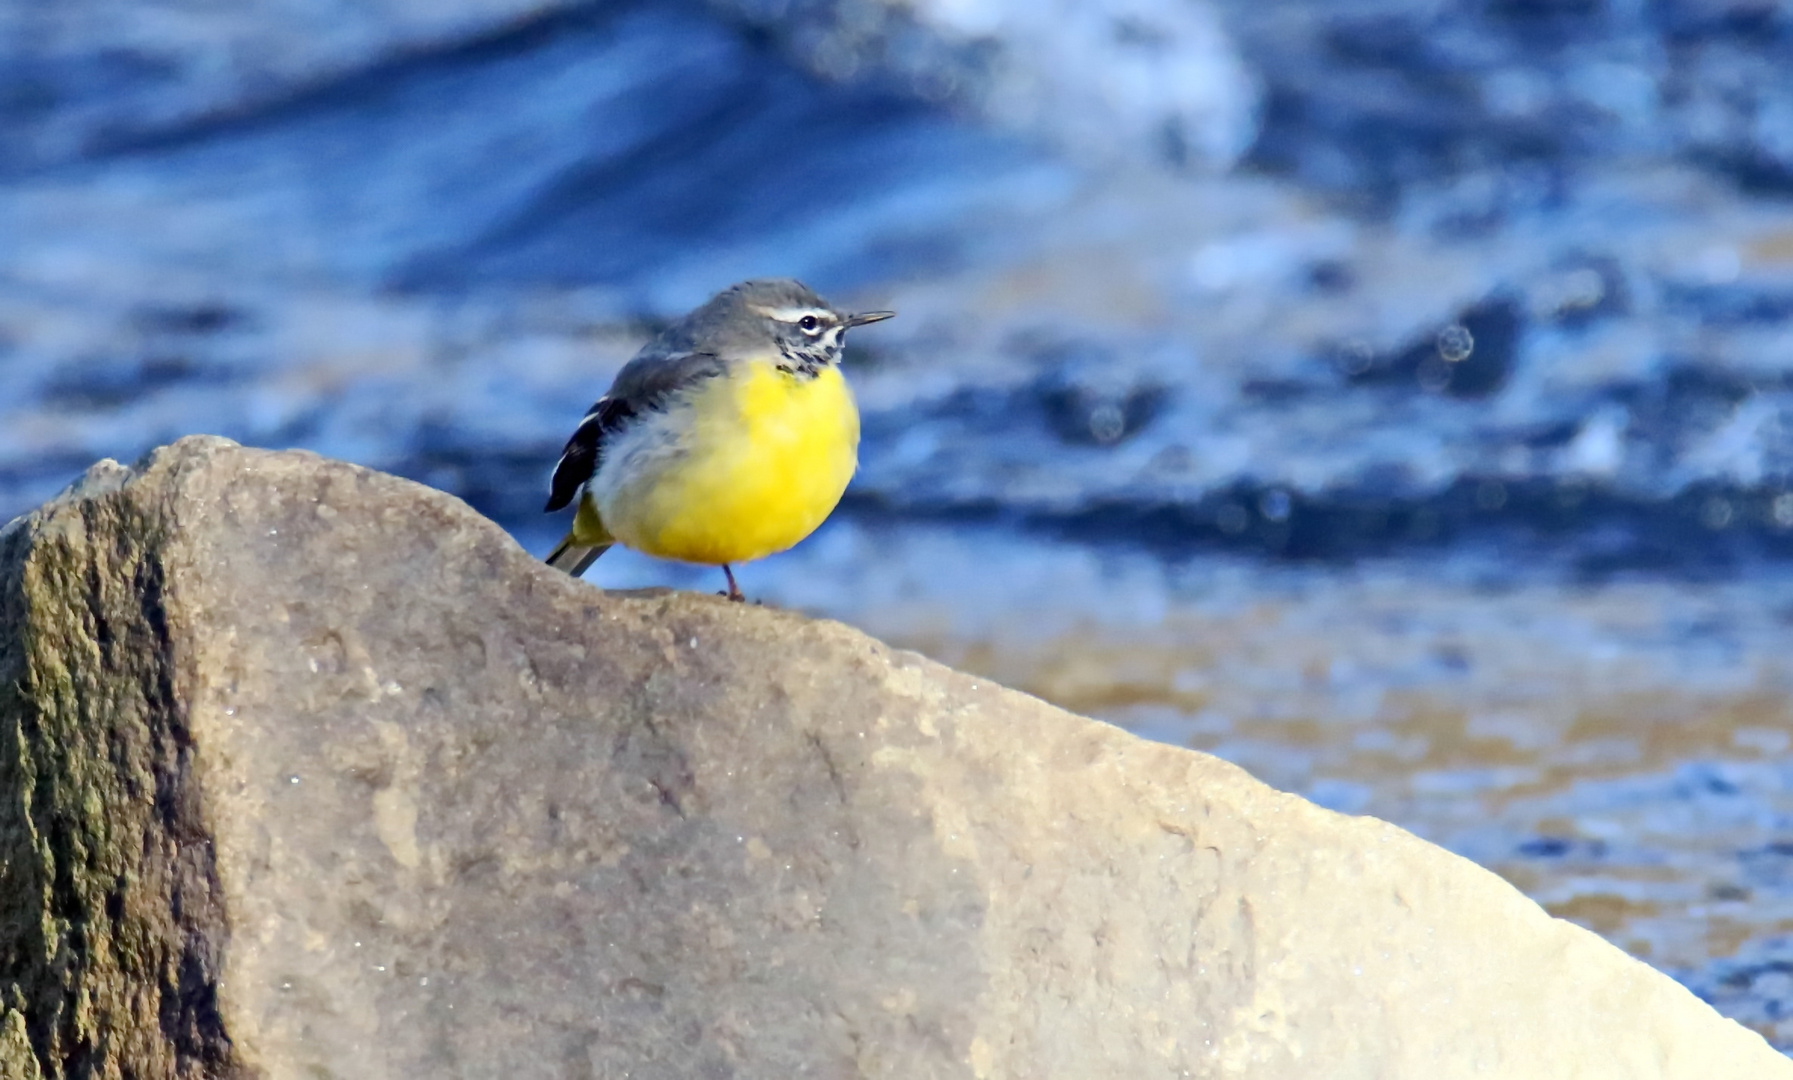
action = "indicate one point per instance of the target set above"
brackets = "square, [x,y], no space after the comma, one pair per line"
[771,314]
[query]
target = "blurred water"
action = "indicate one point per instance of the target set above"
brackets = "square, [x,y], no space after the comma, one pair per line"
[1392,396]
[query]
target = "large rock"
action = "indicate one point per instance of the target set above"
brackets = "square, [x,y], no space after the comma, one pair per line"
[309,771]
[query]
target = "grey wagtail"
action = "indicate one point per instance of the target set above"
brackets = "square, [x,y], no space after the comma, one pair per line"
[728,438]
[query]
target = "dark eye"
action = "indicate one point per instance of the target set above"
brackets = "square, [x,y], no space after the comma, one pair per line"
[809,324]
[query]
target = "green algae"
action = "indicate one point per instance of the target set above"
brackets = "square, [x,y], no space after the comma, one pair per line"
[110,933]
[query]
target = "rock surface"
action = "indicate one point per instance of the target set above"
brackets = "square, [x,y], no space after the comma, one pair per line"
[313,772]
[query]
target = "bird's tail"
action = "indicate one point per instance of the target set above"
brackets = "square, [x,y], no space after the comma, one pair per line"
[574,557]
[587,539]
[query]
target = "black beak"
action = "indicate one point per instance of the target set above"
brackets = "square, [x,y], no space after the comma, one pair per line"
[868,317]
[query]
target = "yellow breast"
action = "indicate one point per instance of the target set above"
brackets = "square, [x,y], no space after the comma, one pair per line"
[760,458]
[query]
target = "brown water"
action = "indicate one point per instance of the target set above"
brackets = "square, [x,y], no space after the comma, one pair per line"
[1618,751]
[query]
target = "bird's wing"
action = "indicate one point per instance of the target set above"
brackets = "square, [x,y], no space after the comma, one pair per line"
[645,383]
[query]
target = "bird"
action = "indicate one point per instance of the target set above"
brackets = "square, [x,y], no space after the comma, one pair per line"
[729,437]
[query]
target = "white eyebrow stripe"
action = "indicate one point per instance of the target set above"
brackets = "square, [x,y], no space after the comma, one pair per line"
[794,314]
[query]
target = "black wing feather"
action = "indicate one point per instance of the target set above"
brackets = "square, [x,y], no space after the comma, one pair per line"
[647,382]
[579,460]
